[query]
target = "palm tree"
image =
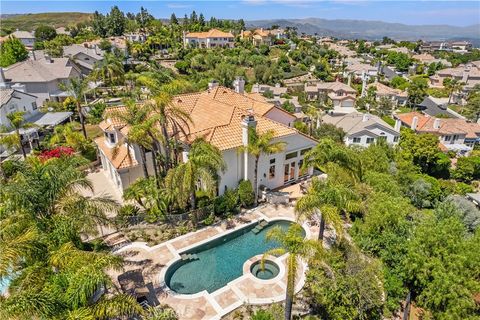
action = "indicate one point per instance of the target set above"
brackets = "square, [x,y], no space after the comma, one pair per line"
[56,275]
[170,118]
[328,151]
[201,170]
[329,199]
[258,144]
[76,89]
[452,86]
[109,70]
[293,242]
[17,123]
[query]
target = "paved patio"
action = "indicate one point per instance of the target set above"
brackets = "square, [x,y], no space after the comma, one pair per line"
[146,266]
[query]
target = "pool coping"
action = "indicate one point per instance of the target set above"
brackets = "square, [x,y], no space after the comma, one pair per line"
[210,297]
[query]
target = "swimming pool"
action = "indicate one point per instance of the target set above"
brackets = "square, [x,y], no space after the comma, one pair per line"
[219,261]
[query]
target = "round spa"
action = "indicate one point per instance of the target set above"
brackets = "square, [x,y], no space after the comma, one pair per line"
[269,271]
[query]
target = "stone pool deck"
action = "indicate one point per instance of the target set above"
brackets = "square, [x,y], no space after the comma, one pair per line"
[145,269]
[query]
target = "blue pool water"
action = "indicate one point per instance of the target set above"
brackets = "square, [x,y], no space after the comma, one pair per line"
[220,261]
[4,282]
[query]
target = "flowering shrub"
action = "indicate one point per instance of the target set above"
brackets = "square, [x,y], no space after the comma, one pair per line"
[56,153]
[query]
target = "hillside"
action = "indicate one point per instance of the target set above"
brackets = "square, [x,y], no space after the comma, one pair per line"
[32,21]
[373,30]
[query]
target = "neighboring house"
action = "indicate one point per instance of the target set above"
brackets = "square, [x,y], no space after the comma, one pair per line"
[343,50]
[363,129]
[427,59]
[210,39]
[25,37]
[136,37]
[222,117]
[84,56]
[469,74]
[435,46]
[276,90]
[42,76]
[341,95]
[398,97]
[13,100]
[439,106]
[454,134]
[263,37]
[360,69]
[461,46]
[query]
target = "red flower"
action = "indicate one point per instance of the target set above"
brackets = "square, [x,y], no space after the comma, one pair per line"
[56,153]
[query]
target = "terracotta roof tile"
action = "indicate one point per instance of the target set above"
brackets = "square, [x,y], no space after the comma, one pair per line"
[447,125]
[123,159]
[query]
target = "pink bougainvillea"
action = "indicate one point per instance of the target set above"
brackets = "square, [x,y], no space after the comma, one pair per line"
[56,153]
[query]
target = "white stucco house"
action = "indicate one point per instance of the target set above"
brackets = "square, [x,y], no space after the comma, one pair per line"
[456,135]
[222,117]
[210,39]
[341,95]
[41,76]
[14,100]
[363,129]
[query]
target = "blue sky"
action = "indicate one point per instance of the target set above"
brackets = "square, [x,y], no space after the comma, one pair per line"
[460,13]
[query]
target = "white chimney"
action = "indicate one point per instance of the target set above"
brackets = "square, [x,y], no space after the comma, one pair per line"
[398,125]
[212,84]
[19,87]
[277,85]
[256,88]
[239,85]
[414,123]
[3,81]
[248,122]
[436,124]
[366,117]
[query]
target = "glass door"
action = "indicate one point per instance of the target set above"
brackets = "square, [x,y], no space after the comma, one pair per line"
[289,172]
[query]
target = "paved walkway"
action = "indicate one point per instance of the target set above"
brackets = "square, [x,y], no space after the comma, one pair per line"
[146,266]
[103,187]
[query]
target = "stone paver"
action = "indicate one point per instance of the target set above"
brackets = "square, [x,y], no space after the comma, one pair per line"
[226,298]
[195,237]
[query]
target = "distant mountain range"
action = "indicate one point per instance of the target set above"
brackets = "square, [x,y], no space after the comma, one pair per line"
[345,29]
[373,30]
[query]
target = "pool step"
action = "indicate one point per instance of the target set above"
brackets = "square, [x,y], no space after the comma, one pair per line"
[260,226]
[186,257]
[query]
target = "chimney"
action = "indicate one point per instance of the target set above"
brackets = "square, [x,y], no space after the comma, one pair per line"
[436,124]
[256,88]
[3,81]
[48,59]
[398,125]
[248,122]
[414,123]
[366,117]
[19,87]
[239,85]
[212,84]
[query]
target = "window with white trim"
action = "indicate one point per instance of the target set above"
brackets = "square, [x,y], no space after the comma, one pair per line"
[370,140]
[356,140]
